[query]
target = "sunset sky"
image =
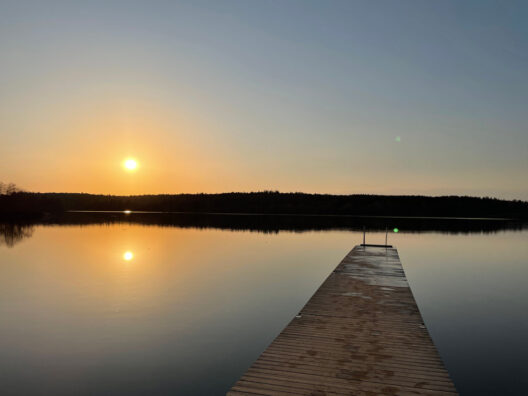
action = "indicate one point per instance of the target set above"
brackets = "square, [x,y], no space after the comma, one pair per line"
[389,97]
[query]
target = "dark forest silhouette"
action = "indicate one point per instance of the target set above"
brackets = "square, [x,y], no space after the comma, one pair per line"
[14,202]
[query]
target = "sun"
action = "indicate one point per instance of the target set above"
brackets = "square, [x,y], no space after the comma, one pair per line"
[128,256]
[130,164]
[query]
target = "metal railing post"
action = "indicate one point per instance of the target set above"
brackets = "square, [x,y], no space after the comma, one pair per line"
[363,235]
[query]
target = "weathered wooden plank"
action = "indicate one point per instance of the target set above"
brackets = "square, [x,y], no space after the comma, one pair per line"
[361,333]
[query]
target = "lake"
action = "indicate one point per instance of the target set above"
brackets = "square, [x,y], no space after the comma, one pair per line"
[159,304]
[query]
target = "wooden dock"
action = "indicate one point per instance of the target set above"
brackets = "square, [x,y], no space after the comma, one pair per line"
[361,333]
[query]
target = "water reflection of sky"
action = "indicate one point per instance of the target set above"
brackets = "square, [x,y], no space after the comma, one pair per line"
[191,308]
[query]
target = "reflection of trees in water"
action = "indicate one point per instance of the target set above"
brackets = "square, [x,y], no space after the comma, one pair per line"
[291,223]
[12,233]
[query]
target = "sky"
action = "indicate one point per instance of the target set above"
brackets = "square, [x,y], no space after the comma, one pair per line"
[343,97]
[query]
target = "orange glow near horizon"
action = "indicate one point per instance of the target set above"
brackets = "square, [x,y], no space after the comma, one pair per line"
[148,151]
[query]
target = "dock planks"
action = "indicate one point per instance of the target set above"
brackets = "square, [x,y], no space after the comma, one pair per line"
[361,333]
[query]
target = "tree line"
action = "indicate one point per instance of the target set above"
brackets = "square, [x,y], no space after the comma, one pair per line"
[16,201]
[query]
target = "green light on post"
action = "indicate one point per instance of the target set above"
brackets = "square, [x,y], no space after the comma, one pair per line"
[395,230]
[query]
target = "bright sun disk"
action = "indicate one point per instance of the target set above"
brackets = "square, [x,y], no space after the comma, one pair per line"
[128,256]
[130,164]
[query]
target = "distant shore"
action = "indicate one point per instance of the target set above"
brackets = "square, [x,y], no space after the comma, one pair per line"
[269,203]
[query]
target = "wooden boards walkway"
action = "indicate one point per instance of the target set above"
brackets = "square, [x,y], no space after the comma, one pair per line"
[361,334]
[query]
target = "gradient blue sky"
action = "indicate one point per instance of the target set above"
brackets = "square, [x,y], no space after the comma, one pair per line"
[245,95]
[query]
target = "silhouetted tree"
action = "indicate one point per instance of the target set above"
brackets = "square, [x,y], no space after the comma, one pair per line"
[16,202]
[8,188]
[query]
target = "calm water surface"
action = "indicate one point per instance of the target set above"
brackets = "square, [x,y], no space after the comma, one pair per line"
[134,309]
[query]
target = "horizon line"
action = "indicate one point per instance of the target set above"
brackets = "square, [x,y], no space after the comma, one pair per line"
[282,192]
